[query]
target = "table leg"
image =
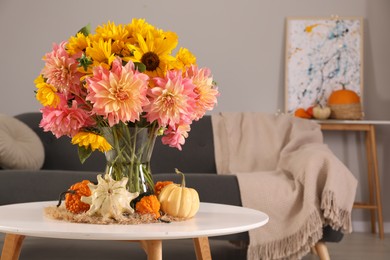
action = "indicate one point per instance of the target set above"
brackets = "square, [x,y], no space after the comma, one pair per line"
[370,171]
[377,182]
[322,251]
[153,249]
[12,246]
[202,248]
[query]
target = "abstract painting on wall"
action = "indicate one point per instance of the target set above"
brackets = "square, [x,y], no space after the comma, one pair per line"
[322,55]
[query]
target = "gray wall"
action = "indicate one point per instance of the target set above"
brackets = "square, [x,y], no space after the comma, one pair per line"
[242,41]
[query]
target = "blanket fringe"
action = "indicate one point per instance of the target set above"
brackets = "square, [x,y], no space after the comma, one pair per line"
[335,216]
[294,246]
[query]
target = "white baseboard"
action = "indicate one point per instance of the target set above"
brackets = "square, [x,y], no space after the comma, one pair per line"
[365,226]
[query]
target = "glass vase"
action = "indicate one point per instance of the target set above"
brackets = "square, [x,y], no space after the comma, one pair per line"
[132,148]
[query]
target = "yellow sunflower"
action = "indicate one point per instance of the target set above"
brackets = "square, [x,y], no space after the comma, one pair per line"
[154,51]
[77,43]
[138,26]
[101,53]
[92,141]
[46,93]
[118,34]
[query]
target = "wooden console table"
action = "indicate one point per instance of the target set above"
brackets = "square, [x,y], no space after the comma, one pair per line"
[368,126]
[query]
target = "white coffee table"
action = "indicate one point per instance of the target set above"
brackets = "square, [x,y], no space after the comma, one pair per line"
[27,219]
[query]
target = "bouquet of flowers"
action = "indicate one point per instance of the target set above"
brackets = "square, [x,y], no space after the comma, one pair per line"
[95,85]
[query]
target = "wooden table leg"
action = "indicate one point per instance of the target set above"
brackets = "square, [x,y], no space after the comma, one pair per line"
[12,246]
[371,172]
[322,251]
[377,182]
[153,249]
[375,202]
[202,248]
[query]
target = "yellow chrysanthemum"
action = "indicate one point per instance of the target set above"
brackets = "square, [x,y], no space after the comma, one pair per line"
[184,59]
[100,52]
[91,140]
[46,93]
[155,52]
[77,43]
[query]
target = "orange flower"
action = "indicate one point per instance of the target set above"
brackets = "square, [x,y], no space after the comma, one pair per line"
[160,185]
[148,205]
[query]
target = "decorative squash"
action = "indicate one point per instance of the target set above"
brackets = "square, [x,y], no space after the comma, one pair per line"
[345,104]
[343,96]
[302,113]
[179,201]
[148,205]
[160,185]
[321,113]
[309,111]
[109,198]
[73,195]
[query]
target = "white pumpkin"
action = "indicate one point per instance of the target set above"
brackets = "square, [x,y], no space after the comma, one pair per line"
[179,201]
[321,112]
[109,198]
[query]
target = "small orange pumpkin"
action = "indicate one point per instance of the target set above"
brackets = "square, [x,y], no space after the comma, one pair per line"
[343,96]
[345,104]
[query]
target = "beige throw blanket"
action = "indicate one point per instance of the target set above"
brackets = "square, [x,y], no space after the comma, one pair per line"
[285,170]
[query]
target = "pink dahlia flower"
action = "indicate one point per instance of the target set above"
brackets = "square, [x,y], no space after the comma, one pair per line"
[176,137]
[64,120]
[172,100]
[61,70]
[118,94]
[206,92]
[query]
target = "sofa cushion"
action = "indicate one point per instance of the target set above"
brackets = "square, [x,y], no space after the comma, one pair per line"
[60,153]
[20,146]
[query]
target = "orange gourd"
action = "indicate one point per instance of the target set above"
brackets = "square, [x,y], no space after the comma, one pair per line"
[302,113]
[160,185]
[148,205]
[73,195]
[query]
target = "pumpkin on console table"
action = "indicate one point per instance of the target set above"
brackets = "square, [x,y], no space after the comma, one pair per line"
[345,104]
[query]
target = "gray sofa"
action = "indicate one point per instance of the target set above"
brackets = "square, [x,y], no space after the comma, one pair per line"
[62,168]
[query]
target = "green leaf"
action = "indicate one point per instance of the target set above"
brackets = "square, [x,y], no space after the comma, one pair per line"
[84,153]
[85,30]
[84,62]
[140,66]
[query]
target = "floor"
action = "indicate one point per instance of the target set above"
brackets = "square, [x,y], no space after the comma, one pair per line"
[358,246]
